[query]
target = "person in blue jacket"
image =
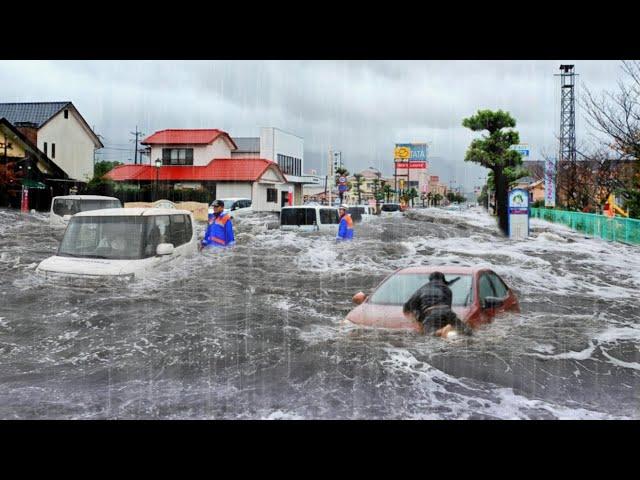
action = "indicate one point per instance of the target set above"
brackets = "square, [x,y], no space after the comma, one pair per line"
[219,232]
[345,230]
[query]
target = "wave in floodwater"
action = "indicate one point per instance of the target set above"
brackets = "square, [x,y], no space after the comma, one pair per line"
[255,331]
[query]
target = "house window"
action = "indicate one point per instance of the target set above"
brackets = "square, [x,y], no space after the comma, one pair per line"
[66,114]
[272,195]
[45,148]
[53,150]
[177,156]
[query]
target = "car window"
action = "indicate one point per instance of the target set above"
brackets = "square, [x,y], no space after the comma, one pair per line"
[157,232]
[178,230]
[397,289]
[485,288]
[498,285]
[329,216]
[298,216]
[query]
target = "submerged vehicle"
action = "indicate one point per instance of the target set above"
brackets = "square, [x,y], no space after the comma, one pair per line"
[478,296]
[63,208]
[361,213]
[121,242]
[236,206]
[309,218]
[390,209]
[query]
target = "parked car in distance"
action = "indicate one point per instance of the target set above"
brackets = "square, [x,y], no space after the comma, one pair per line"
[236,206]
[479,295]
[121,242]
[390,209]
[361,213]
[309,218]
[64,207]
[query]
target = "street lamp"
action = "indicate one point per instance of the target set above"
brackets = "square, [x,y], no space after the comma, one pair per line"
[158,165]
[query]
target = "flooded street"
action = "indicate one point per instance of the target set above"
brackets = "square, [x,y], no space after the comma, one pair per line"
[255,332]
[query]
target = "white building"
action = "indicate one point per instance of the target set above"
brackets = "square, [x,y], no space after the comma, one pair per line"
[59,131]
[286,149]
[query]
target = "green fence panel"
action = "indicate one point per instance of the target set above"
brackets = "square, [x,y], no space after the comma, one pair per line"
[617,229]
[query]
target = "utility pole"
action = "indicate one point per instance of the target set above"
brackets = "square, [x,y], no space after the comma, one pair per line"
[329,174]
[136,134]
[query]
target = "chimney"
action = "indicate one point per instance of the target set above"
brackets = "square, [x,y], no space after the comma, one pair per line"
[29,130]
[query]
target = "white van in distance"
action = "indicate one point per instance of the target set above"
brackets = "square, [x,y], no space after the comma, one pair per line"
[309,218]
[121,242]
[62,208]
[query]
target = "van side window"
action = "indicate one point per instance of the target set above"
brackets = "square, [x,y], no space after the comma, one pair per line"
[157,233]
[188,228]
[328,216]
[178,230]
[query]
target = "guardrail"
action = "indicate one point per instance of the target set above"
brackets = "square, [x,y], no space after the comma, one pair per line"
[616,229]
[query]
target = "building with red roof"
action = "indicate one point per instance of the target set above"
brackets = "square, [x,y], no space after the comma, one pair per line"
[267,170]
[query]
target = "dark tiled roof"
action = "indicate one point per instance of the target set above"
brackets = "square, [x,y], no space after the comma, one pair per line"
[38,112]
[247,144]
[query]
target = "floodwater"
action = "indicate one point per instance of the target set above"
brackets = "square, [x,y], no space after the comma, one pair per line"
[255,332]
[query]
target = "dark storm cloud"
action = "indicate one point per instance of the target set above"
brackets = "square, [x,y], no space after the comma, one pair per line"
[358,107]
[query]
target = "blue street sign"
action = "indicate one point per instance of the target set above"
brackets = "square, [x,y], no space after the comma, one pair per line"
[342,188]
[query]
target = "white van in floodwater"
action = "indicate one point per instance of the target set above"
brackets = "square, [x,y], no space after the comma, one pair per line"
[121,242]
[63,208]
[309,218]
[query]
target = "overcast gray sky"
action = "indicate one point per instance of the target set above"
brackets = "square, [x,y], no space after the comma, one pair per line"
[359,107]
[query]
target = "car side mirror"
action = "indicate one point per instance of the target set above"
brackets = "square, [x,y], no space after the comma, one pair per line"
[235,207]
[358,298]
[66,217]
[493,302]
[164,249]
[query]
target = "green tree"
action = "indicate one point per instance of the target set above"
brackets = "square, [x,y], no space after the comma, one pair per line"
[341,172]
[358,183]
[98,184]
[437,198]
[492,151]
[387,190]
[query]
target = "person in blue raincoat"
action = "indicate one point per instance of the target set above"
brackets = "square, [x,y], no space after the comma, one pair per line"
[219,232]
[345,230]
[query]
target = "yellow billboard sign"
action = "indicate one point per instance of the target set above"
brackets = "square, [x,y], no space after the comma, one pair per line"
[402,152]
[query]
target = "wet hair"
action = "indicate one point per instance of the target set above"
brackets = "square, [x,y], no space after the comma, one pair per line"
[437,276]
[217,203]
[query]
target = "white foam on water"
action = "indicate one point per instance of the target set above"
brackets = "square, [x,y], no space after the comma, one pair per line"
[487,400]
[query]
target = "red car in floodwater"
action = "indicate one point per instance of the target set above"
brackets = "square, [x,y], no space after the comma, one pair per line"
[478,296]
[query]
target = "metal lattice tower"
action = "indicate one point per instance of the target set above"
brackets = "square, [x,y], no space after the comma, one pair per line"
[567,114]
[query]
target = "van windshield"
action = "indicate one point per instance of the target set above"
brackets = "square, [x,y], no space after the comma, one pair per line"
[71,206]
[298,216]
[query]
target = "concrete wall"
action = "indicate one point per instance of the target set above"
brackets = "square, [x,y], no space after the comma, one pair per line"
[74,145]
[234,189]
[274,141]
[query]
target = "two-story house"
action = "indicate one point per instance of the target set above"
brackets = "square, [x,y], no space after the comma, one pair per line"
[59,131]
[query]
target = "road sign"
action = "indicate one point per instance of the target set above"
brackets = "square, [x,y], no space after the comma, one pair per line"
[523,149]
[342,180]
[342,188]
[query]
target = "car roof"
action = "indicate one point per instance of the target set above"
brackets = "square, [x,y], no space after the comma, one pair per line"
[455,270]
[86,197]
[130,212]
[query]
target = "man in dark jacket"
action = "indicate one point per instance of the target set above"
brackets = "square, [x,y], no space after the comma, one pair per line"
[431,306]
